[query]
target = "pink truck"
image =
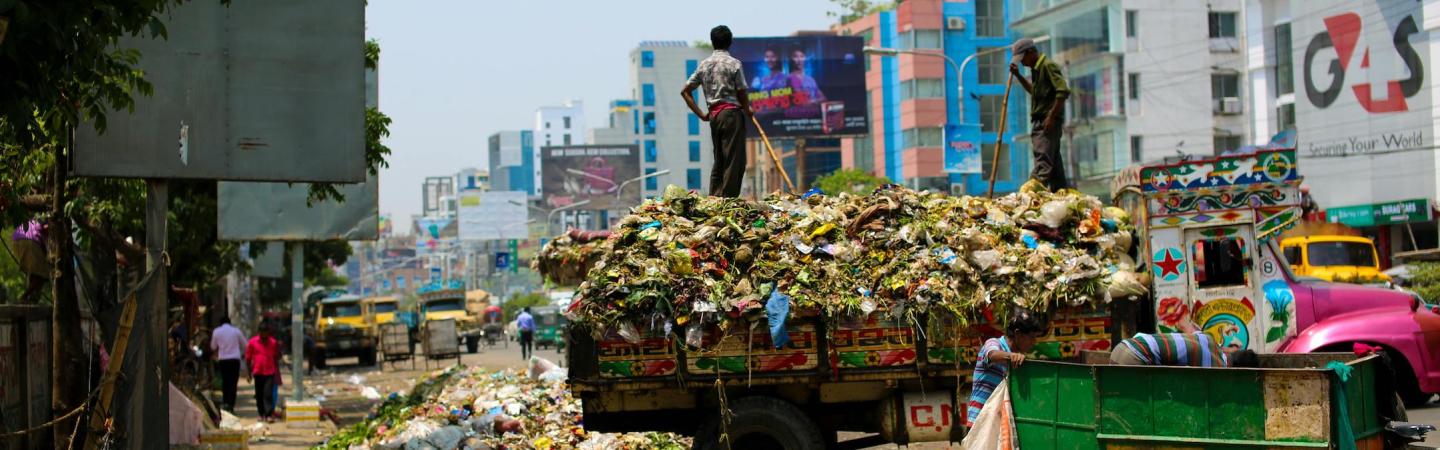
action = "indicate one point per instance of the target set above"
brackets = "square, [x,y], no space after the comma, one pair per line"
[1209,238]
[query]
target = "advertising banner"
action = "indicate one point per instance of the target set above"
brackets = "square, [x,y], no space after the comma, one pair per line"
[1363,90]
[572,174]
[493,215]
[962,155]
[430,235]
[806,86]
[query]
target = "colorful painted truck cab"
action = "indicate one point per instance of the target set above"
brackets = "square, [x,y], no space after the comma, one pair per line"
[1209,232]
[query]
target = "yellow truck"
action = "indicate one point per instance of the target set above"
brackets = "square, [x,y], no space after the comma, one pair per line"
[1335,258]
[380,310]
[344,330]
[452,304]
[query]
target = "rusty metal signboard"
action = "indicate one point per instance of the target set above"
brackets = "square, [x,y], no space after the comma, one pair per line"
[259,90]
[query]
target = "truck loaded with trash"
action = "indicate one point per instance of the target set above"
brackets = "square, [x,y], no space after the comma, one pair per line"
[803,316]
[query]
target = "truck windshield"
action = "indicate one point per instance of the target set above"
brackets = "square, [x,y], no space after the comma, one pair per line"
[1341,254]
[341,309]
[444,305]
[386,307]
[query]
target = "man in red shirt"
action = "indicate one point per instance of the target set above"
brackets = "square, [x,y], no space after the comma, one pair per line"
[263,354]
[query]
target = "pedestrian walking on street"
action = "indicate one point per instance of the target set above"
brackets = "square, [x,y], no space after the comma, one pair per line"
[227,345]
[726,97]
[526,324]
[1048,91]
[263,354]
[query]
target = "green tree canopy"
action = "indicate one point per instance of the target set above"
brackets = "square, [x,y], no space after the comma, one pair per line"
[854,181]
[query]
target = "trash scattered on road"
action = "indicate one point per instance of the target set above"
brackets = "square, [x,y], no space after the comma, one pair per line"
[687,258]
[458,408]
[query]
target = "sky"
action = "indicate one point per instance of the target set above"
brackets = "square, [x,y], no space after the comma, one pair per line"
[454,72]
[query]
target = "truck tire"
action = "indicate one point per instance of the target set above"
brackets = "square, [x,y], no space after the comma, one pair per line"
[472,344]
[761,423]
[367,358]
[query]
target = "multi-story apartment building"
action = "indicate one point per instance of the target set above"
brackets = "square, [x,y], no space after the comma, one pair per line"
[913,98]
[512,158]
[669,135]
[1149,79]
[556,125]
[1352,80]
[435,194]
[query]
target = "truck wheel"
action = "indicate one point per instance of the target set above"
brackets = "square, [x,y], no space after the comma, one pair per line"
[472,344]
[367,359]
[761,423]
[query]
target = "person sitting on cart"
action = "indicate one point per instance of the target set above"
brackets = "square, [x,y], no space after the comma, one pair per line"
[1191,347]
[998,355]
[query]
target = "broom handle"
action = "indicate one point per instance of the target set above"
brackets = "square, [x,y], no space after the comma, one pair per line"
[999,137]
[789,185]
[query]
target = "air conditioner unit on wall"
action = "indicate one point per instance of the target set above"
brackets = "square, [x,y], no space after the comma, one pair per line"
[955,23]
[1227,105]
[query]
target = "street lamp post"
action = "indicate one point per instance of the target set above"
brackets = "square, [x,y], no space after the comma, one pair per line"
[551,216]
[639,179]
[958,68]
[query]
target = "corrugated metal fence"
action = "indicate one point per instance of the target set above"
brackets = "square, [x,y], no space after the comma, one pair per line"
[24,374]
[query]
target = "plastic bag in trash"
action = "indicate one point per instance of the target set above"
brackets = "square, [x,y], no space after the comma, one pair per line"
[777,310]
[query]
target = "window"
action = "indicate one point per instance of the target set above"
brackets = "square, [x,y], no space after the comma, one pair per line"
[1285,117]
[1222,25]
[990,18]
[1354,254]
[1132,28]
[651,153]
[1284,61]
[567,122]
[650,123]
[1220,263]
[922,88]
[567,138]
[1137,149]
[1087,149]
[647,94]
[1226,142]
[864,153]
[651,183]
[987,154]
[993,66]
[923,137]
[1225,90]
[694,151]
[692,124]
[1292,255]
[647,59]
[1134,86]
[547,125]
[990,112]
[692,179]
[921,39]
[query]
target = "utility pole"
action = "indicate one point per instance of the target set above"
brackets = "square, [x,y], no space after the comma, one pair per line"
[297,319]
[800,181]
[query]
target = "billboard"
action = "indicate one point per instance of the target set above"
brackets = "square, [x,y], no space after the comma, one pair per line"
[260,90]
[254,211]
[493,215]
[961,155]
[1364,99]
[572,174]
[807,85]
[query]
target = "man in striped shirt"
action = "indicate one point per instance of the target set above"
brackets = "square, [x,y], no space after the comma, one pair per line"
[1191,348]
[998,355]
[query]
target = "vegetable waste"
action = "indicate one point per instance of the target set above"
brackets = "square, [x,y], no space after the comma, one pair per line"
[449,409]
[686,259]
[566,259]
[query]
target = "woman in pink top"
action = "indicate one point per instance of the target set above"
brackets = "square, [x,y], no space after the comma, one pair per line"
[263,354]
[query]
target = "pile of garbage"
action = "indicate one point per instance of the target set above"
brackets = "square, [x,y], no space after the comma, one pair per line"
[566,259]
[687,258]
[458,408]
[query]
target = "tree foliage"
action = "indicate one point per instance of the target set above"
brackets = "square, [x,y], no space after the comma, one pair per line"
[515,304]
[854,181]
[1425,280]
[852,10]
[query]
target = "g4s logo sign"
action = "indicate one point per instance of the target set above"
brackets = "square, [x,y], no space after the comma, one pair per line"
[1342,32]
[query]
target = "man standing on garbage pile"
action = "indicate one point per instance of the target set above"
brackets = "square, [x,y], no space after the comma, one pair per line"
[998,355]
[526,324]
[227,345]
[727,97]
[1048,91]
[1191,348]
[263,354]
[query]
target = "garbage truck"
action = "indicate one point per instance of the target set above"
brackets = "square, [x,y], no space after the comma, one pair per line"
[1206,236]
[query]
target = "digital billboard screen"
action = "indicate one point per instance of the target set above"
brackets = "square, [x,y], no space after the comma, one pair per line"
[806,85]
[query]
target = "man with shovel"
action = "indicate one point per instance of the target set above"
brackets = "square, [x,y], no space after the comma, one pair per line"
[726,96]
[1048,92]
